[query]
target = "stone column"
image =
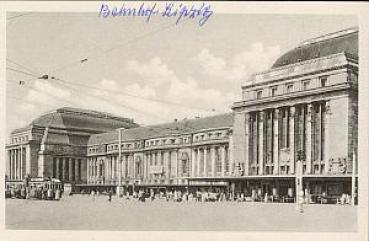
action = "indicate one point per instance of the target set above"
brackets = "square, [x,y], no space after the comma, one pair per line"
[318,138]
[285,128]
[213,168]
[119,159]
[148,165]
[247,144]
[28,159]
[199,154]
[88,166]
[292,138]
[159,158]
[223,159]
[166,156]
[308,139]
[205,162]
[98,171]
[113,168]
[56,160]
[124,166]
[134,163]
[21,163]
[129,163]
[275,141]
[193,162]
[144,166]
[7,168]
[15,164]
[255,138]
[11,167]
[326,137]
[76,170]
[64,169]
[92,177]
[261,142]
[71,169]
[177,163]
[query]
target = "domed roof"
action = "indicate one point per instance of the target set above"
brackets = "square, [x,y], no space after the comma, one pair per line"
[83,120]
[345,41]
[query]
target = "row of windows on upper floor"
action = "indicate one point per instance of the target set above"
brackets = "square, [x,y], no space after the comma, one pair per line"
[18,140]
[164,141]
[209,136]
[290,87]
[137,145]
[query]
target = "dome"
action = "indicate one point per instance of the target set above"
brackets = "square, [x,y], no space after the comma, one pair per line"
[345,41]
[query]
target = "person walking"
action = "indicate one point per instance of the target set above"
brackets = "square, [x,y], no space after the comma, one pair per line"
[110,194]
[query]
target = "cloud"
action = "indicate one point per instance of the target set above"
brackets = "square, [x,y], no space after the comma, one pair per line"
[241,65]
[155,70]
[181,97]
[47,93]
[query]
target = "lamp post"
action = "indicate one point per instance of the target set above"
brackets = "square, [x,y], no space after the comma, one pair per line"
[299,180]
[119,188]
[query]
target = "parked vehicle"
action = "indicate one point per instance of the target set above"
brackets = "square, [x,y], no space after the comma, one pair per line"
[34,188]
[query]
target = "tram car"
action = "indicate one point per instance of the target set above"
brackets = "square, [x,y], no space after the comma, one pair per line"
[34,188]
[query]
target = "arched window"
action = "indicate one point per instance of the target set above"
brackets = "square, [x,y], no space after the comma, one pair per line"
[184,162]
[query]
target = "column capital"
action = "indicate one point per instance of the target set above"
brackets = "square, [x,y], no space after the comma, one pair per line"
[261,115]
[327,107]
[247,115]
[292,110]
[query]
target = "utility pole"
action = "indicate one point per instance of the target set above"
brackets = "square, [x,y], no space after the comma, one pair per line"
[299,180]
[119,188]
[353,181]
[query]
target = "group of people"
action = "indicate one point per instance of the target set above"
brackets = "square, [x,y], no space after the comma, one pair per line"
[32,192]
[173,195]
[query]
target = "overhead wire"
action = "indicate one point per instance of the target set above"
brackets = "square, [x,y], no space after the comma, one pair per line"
[17,16]
[120,92]
[21,66]
[133,40]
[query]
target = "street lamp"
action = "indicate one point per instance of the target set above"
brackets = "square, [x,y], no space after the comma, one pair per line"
[299,184]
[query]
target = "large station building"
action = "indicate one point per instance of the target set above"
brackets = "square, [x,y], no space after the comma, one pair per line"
[294,129]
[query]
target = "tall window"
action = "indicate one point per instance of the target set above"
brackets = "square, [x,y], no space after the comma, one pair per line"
[218,162]
[305,85]
[273,91]
[259,94]
[323,81]
[289,88]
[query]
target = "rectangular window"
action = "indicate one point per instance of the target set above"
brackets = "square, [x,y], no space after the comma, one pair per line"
[305,85]
[289,88]
[273,91]
[323,81]
[259,94]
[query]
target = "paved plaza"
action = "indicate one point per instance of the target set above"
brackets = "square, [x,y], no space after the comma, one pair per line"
[86,213]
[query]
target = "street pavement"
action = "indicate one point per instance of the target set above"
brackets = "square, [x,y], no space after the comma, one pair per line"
[87,213]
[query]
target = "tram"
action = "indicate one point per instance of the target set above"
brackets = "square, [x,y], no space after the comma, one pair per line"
[38,188]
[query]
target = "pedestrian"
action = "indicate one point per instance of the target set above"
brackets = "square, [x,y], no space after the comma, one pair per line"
[110,194]
[57,194]
[93,195]
[300,201]
[27,192]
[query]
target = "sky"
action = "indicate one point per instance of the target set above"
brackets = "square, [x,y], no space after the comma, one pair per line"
[152,72]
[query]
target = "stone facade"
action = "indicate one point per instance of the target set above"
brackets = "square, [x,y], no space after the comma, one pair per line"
[296,127]
[55,144]
[162,155]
